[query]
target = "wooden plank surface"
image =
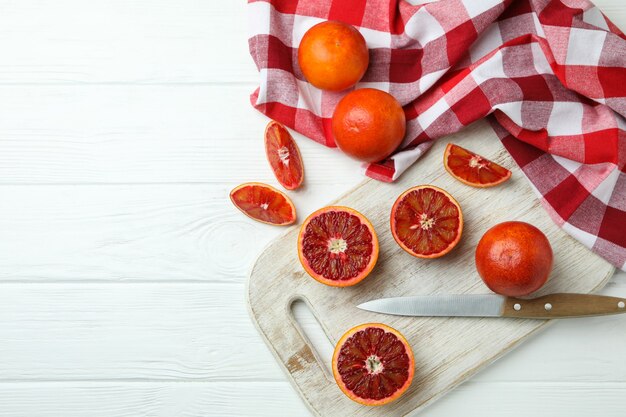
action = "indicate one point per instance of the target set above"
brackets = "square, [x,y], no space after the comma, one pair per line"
[149,399]
[144,134]
[117,41]
[129,332]
[187,332]
[132,232]
[120,124]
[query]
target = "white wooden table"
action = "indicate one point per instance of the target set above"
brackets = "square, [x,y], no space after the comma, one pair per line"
[123,125]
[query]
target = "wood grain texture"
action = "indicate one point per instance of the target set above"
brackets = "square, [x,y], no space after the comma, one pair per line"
[539,399]
[124,232]
[191,332]
[147,135]
[166,399]
[148,399]
[98,277]
[199,332]
[447,350]
[117,41]
[175,232]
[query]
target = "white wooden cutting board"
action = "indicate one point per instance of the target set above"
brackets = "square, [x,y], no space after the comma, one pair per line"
[447,350]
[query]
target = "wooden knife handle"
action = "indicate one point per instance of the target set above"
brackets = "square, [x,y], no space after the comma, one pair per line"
[563,306]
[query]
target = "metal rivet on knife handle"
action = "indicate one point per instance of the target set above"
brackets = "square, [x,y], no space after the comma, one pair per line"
[562,306]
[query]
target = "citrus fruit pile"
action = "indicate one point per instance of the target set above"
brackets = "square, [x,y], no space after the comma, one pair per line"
[367,124]
[337,246]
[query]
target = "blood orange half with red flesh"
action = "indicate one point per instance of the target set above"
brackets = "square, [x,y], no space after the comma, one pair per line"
[426,221]
[283,155]
[337,246]
[263,203]
[472,169]
[373,364]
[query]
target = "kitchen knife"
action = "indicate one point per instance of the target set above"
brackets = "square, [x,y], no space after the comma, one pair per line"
[551,306]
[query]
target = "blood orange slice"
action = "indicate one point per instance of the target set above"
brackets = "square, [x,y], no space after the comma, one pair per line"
[283,155]
[426,221]
[473,169]
[263,203]
[373,364]
[337,246]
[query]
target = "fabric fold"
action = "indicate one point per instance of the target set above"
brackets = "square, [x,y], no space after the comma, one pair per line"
[547,74]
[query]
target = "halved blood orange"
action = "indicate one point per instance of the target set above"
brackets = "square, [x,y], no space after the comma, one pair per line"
[263,203]
[373,364]
[472,169]
[426,221]
[283,155]
[337,246]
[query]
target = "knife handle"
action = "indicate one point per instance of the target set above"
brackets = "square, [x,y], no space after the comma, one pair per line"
[563,306]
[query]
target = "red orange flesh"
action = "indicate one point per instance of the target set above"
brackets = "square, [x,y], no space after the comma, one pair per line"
[337,246]
[284,156]
[263,203]
[426,221]
[472,169]
[373,364]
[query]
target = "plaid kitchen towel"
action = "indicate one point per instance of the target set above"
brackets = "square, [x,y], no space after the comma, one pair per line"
[549,74]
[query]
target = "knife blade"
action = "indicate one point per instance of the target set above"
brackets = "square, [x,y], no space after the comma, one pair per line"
[550,306]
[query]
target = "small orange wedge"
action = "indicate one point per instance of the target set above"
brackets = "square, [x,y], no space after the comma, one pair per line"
[472,169]
[263,203]
[283,155]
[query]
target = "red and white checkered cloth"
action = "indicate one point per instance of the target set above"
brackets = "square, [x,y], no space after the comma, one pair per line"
[550,75]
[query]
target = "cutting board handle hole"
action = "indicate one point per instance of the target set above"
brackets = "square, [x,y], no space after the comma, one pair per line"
[314,334]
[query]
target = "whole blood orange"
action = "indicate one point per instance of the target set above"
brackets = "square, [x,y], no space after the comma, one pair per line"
[263,203]
[337,246]
[283,155]
[514,258]
[472,169]
[368,124]
[333,56]
[426,221]
[373,364]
